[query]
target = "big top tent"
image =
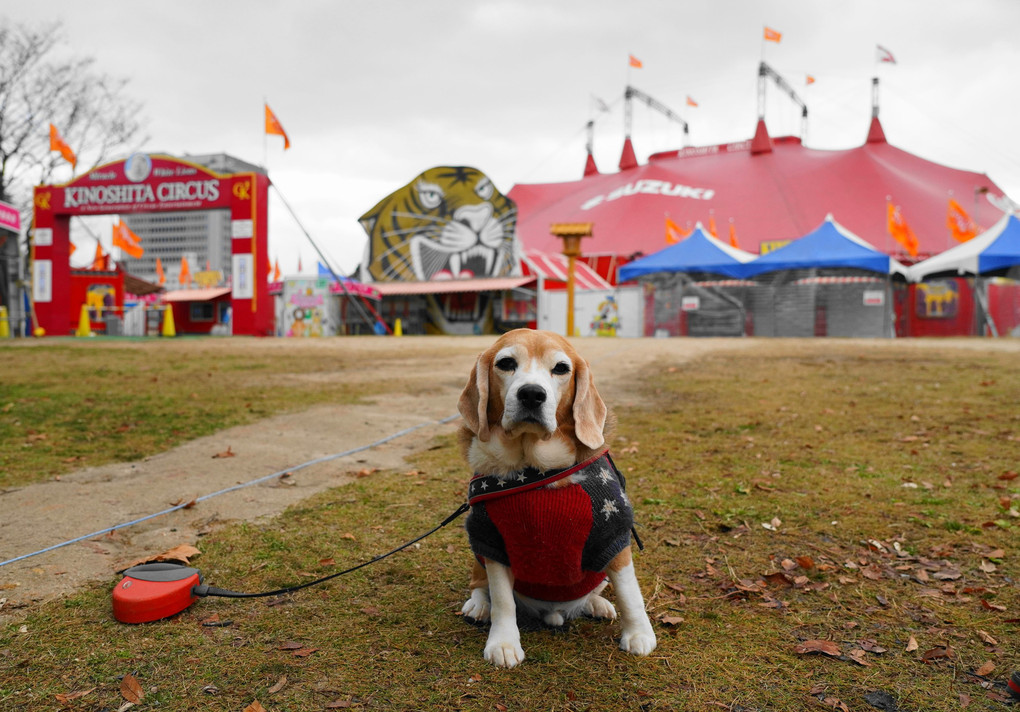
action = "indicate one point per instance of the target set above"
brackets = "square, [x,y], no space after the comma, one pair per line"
[771,189]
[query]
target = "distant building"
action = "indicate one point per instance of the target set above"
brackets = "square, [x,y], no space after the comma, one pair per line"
[202,236]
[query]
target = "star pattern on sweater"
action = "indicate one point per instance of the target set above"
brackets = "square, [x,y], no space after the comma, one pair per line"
[609,508]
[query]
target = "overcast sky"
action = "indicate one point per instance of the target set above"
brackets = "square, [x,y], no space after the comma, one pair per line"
[372,92]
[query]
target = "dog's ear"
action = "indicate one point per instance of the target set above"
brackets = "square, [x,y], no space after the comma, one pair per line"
[474,400]
[589,409]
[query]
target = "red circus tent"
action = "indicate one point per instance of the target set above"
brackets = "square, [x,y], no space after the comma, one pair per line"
[771,190]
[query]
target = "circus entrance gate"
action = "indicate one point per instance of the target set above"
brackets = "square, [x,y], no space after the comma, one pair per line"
[150,184]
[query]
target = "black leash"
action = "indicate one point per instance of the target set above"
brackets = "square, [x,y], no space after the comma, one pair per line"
[203,590]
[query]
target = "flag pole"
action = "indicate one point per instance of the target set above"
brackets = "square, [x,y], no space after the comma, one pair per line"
[265,142]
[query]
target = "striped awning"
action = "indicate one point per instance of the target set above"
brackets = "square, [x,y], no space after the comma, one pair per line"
[554,267]
[449,286]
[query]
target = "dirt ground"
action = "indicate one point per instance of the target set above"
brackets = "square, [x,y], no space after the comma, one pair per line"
[92,500]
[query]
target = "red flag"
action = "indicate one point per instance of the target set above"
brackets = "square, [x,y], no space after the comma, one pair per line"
[57,143]
[773,36]
[635,62]
[884,55]
[900,230]
[127,240]
[691,102]
[160,276]
[273,126]
[959,222]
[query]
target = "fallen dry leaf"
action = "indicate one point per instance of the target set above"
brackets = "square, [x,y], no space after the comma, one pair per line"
[255,707]
[279,685]
[987,638]
[226,453]
[805,562]
[131,690]
[911,645]
[64,698]
[304,652]
[964,701]
[671,620]
[859,656]
[826,647]
[986,669]
[289,645]
[939,653]
[181,553]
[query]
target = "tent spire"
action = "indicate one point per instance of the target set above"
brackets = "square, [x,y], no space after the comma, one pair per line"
[875,132]
[761,143]
[628,159]
[590,169]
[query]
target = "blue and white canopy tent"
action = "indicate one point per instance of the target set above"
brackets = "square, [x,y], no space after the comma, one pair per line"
[829,282]
[993,254]
[699,253]
[829,246]
[696,286]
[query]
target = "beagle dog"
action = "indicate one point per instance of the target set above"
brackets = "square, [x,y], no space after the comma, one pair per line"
[549,517]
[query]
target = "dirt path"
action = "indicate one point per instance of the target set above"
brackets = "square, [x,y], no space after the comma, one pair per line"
[40,516]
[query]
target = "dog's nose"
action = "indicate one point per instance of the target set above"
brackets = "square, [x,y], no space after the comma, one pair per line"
[531,396]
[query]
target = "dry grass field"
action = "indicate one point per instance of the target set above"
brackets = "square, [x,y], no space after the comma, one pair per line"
[827,525]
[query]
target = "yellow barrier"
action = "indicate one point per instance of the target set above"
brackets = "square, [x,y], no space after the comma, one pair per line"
[398,329]
[5,328]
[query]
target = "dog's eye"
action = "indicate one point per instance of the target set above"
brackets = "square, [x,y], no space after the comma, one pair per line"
[561,368]
[506,364]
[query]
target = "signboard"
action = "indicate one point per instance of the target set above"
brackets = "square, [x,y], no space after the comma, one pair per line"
[10,218]
[144,183]
[692,303]
[42,281]
[874,297]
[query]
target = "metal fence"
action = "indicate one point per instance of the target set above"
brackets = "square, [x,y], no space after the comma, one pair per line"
[796,303]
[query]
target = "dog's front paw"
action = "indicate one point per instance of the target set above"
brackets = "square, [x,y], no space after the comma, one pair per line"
[638,641]
[477,607]
[504,653]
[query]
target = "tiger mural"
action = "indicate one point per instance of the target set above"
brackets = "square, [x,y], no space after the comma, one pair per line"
[448,223]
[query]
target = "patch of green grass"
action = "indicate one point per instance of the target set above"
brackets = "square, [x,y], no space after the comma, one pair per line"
[68,405]
[857,560]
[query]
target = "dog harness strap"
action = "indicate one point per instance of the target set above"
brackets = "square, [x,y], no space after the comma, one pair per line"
[487,487]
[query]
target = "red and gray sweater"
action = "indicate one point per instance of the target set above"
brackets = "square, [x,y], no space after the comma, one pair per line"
[556,540]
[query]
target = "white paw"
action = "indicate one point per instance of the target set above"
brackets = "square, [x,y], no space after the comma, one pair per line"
[477,607]
[638,642]
[598,607]
[506,653]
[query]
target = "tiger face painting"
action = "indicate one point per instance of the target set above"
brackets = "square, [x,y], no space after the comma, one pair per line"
[448,223]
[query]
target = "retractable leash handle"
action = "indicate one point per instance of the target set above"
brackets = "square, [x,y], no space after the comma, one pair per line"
[153,591]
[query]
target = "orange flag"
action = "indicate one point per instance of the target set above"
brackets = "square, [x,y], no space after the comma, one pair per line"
[273,126]
[125,239]
[99,261]
[160,276]
[276,270]
[711,226]
[810,80]
[733,235]
[57,143]
[635,62]
[674,233]
[185,276]
[900,230]
[773,36]
[691,102]
[959,222]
